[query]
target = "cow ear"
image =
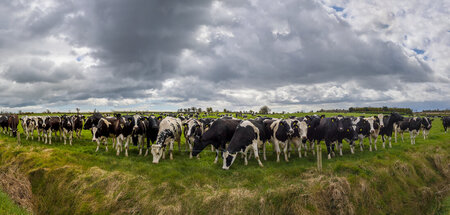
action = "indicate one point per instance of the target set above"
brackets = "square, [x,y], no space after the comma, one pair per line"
[322,116]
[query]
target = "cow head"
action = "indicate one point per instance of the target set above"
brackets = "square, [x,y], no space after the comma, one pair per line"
[426,123]
[287,127]
[395,117]
[66,121]
[157,151]
[228,160]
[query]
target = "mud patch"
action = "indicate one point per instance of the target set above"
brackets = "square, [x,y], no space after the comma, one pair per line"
[17,186]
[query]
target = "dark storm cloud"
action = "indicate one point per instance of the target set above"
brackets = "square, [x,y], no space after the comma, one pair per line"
[285,53]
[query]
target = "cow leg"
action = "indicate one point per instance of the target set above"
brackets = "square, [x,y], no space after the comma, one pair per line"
[390,144]
[340,147]
[70,137]
[255,151]
[361,139]
[299,148]
[171,149]
[106,143]
[277,150]
[64,135]
[212,148]
[49,134]
[245,155]
[311,144]
[264,150]
[328,149]
[119,144]
[217,156]
[384,141]
[395,133]
[127,146]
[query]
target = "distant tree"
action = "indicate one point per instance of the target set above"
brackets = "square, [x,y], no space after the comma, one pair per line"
[385,108]
[199,110]
[264,110]
[209,109]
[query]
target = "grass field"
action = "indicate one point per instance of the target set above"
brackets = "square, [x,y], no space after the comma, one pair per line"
[407,179]
[7,206]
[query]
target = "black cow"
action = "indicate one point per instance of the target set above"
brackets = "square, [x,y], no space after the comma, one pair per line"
[327,130]
[67,128]
[13,122]
[312,123]
[446,122]
[249,134]
[152,124]
[4,123]
[388,122]
[220,132]
[51,124]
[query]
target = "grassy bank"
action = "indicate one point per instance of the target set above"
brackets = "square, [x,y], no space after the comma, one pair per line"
[74,179]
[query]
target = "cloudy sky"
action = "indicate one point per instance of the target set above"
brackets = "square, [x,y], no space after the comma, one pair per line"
[163,55]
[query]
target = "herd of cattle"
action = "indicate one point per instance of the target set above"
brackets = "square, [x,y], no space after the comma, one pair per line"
[227,134]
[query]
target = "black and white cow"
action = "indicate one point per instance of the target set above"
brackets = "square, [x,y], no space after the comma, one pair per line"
[125,133]
[426,126]
[139,132]
[107,127]
[169,132]
[28,126]
[92,121]
[280,136]
[327,130]
[52,124]
[67,128]
[415,124]
[220,133]
[77,124]
[368,127]
[346,131]
[40,126]
[299,136]
[388,122]
[446,122]
[249,135]
[401,127]
[193,129]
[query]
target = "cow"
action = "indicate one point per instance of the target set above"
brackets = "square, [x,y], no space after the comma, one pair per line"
[207,122]
[281,132]
[446,122]
[13,122]
[401,127]
[346,131]
[368,127]
[249,134]
[220,133]
[152,124]
[107,127]
[388,122]
[52,124]
[192,128]
[125,134]
[92,121]
[4,123]
[77,125]
[426,126]
[299,136]
[28,126]
[415,124]
[67,128]
[312,123]
[40,126]
[169,132]
[139,132]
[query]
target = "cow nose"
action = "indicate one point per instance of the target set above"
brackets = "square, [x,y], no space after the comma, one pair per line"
[135,127]
[303,137]
[372,131]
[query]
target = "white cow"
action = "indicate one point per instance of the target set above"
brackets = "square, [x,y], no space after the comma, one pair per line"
[169,132]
